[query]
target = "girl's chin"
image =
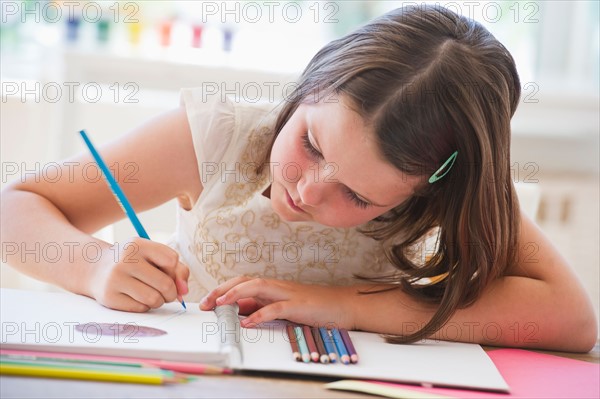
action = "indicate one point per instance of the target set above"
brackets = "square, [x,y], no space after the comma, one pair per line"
[287,215]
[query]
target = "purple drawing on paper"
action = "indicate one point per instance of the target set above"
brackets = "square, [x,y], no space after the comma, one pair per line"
[129,330]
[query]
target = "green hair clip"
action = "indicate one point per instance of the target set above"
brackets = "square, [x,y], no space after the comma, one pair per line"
[449,162]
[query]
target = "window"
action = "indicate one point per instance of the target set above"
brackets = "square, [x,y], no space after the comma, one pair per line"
[552,41]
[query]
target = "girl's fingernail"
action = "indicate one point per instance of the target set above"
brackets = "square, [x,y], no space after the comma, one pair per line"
[248,323]
[220,300]
[203,301]
[182,286]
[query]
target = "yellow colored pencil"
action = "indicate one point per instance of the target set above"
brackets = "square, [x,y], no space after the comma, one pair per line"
[82,374]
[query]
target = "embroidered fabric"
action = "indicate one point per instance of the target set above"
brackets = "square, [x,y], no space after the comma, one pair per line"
[232,230]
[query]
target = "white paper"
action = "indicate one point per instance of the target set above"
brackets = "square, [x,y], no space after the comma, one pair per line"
[46,321]
[431,362]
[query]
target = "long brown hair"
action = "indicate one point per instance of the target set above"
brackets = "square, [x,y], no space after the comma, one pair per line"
[430,82]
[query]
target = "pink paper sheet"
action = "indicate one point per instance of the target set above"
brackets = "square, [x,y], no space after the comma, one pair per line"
[532,375]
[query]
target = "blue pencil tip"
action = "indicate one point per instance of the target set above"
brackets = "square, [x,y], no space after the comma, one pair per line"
[183,304]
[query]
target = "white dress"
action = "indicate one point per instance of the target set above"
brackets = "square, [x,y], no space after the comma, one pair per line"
[232,230]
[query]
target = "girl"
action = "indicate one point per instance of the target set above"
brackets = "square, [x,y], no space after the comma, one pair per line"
[377,197]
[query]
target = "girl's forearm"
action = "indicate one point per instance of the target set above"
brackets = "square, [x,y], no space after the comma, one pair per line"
[526,312]
[513,311]
[38,240]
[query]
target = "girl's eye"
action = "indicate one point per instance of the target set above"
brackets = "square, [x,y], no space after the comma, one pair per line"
[316,154]
[309,147]
[357,201]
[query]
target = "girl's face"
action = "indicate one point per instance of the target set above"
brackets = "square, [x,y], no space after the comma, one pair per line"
[326,168]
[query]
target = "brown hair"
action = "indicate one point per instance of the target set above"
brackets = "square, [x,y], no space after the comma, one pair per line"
[430,82]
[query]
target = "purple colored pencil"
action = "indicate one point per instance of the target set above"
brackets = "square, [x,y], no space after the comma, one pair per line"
[349,345]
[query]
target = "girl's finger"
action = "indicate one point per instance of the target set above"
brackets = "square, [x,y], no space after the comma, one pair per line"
[183,274]
[273,311]
[259,288]
[159,255]
[143,293]
[140,251]
[128,304]
[156,279]
[248,305]
[209,301]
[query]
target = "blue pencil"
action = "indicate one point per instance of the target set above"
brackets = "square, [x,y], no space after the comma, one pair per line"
[116,189]
[329,345]
[339,344]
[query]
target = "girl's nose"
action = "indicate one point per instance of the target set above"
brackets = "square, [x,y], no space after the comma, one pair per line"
[311,189]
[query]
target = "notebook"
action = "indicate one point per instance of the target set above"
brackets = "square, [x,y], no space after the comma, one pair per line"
[65,322]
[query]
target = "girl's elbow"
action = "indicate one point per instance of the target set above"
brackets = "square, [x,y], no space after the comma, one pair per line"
[589,327]
[589,336]
[582,332]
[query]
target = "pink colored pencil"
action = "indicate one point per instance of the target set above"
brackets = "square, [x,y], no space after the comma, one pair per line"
[182,367]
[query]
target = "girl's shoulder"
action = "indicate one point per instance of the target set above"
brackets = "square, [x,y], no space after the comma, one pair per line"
[227,129]
[223,107]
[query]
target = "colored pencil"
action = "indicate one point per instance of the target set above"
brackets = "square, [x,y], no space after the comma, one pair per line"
[95,374]
[339,344]
[310,342]
[182,367]
[69,362]
[349,345]
[79,365]
[116,189]
[329,345]
[302,344]
[293,342]
[324,358]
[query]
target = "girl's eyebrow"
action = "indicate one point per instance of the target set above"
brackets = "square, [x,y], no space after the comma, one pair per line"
[318,147]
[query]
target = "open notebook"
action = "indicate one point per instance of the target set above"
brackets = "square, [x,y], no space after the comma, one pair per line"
[64,322]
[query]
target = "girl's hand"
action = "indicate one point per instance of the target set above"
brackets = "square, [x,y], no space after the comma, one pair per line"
[267,299]
[138,275]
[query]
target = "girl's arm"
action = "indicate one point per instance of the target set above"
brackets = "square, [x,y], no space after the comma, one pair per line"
[538,304]
[47,225]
